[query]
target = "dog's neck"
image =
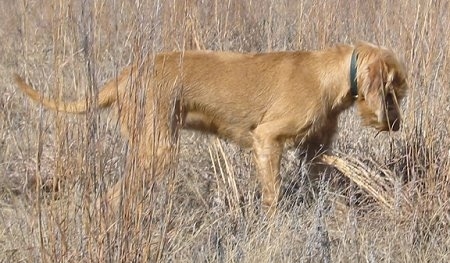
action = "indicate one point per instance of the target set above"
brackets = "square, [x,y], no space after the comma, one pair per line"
[339,85]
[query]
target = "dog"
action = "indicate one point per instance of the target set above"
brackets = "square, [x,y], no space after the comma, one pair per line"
[265,101]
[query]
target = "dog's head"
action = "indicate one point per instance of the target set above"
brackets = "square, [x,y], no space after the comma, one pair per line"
[382,84]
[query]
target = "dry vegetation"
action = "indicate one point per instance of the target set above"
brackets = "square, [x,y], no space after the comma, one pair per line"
[392,205]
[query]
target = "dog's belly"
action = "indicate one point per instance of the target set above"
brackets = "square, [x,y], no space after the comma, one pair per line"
[236,132]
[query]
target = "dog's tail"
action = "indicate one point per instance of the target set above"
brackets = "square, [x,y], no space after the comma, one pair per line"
[107,95]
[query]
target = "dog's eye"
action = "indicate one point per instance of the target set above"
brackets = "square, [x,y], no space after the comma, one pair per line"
[395,80]
[398,81]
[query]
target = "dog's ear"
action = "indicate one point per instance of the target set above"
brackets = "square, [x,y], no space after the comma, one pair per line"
[382,85]
[372,83]
[377,91]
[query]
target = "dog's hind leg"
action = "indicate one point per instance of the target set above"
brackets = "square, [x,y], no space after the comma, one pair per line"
[153,137]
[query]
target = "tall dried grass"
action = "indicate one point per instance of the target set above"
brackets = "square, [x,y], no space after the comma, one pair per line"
[54,167]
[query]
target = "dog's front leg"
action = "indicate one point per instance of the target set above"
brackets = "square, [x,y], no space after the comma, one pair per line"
[267,155]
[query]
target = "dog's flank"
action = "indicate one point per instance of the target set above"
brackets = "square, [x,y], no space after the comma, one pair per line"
[263,101]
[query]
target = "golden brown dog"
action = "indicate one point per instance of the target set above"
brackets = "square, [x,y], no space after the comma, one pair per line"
[264,101]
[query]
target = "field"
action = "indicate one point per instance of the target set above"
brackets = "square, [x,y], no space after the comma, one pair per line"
[53,167]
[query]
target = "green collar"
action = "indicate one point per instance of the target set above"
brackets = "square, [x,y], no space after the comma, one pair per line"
[353,79]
